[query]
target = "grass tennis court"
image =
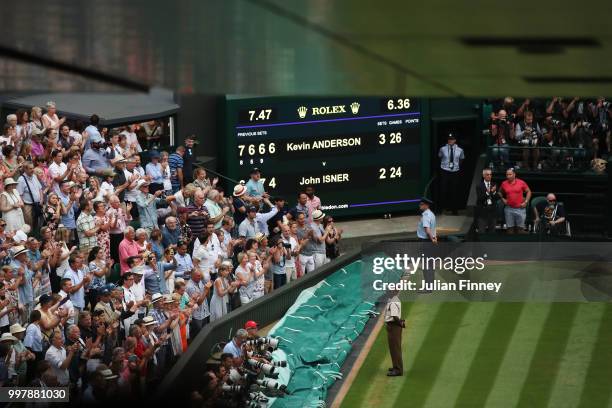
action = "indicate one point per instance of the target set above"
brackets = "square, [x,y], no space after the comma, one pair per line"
[474,354]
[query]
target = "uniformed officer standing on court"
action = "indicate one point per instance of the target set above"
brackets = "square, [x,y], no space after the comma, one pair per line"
[395,324]
[426,230]
[451,156]
[426,233]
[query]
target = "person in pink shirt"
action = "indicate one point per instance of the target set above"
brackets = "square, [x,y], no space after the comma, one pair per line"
[119,219]
[128,247]
[314,202]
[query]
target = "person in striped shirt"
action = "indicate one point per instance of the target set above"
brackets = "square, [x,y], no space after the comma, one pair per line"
[176,163]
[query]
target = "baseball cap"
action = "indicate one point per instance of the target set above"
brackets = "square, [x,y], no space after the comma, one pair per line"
[251,324]
[108,374]
[426,200]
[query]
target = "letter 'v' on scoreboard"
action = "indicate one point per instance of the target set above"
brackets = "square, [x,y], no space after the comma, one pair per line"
[362,154]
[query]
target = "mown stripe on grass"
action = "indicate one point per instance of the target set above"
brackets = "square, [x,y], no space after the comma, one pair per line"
[461,354]
[574,365]
[546,359]
[488,358]
[420,377]
[596,391]
[375,388]
[515,364]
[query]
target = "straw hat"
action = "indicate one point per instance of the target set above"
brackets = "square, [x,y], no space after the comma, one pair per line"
[9,181]
[17,328]
[239,190]
[318,215]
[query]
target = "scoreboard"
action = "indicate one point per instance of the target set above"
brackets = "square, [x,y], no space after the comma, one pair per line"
[361,154]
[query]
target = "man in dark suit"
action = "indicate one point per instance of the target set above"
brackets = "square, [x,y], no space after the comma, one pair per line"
[486,193]
[189,159]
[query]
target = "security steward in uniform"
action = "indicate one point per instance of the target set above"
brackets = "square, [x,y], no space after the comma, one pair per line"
[451,157]
[426,233]
[395,324]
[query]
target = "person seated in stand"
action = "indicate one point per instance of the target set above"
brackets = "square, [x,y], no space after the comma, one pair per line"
[550,216]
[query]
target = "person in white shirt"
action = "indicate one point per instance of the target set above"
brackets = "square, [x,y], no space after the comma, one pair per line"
[50,119]
[132,192]
[138,166]
[132,138]
[395,324]
[263,218]
[129,301]
[58,170]
[60,357]
[213,243]
[66,285]
[208,254]
[106,188]
[292,253]
[138,289]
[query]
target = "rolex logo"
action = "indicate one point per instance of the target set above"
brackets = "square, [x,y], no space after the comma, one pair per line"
[355,108]
[302,110]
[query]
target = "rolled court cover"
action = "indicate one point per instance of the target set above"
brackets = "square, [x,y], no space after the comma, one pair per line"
[317,332]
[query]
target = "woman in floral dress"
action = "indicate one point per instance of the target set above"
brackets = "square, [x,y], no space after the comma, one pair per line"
[103,222]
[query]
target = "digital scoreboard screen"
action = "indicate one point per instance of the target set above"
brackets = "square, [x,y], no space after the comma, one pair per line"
[361,154]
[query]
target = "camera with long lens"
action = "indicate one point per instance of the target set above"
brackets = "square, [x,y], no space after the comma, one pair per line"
[232,388]
[557,123]
[269,384]
[255,381]
[272,385]
[267,342]
[530,137]
[502,122]
[583,124]
[265,368]
[257,400]
[235,376]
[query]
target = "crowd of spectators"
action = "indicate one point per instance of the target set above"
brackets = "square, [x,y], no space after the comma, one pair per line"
[556,133]
[110,268]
